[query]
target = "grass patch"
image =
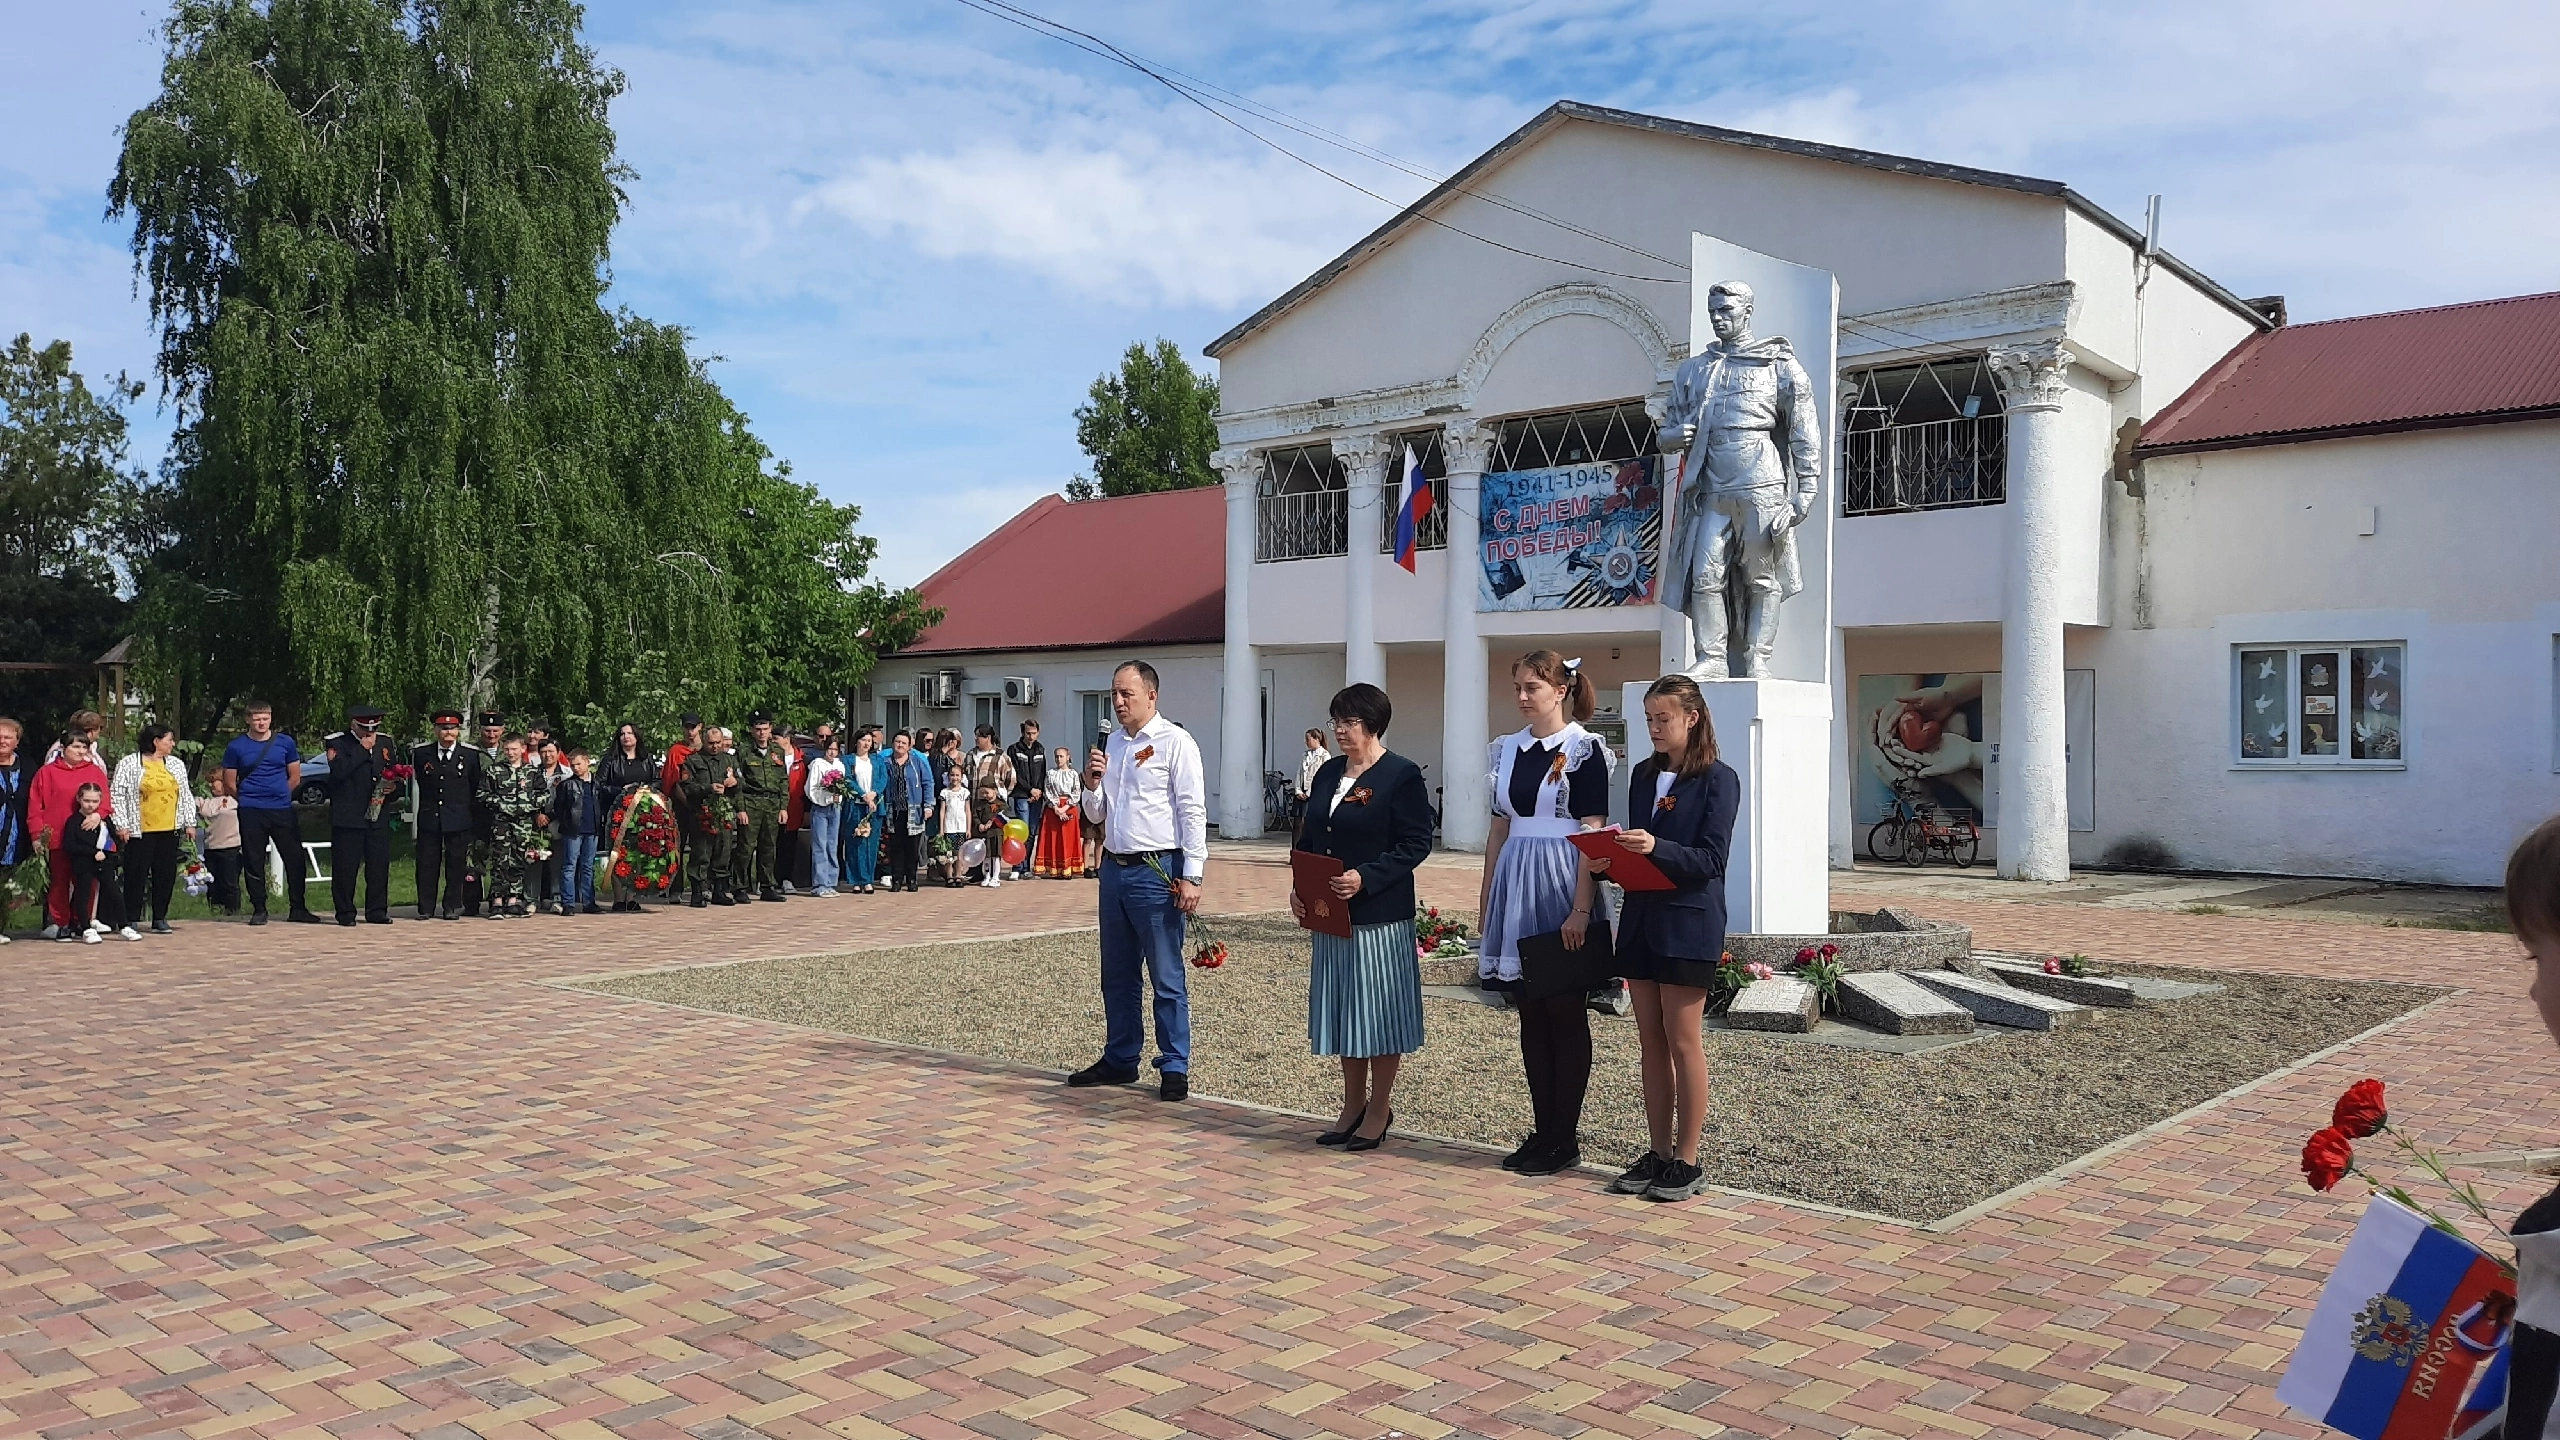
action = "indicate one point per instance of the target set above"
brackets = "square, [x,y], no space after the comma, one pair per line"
[1918,1136]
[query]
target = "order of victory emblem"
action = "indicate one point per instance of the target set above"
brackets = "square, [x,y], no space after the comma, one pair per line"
[2385,1329]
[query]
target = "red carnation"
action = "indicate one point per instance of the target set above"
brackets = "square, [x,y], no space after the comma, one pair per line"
[2326,1158]
[1805,956]
[2360,1111]
[2052,965]
[1829,950]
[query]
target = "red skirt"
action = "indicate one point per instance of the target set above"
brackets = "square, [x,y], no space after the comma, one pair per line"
[1061,852]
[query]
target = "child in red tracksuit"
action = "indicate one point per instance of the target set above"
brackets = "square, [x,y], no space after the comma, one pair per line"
[52,803]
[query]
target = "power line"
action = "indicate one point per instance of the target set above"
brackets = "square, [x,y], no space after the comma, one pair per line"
[1198,91]
[1096,46]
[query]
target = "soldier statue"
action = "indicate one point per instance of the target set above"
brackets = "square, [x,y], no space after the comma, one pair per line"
[1742,412]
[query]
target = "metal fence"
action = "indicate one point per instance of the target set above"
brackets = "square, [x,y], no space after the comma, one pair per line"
[1932,465]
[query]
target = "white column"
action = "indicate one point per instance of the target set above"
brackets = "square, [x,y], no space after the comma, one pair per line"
[1463,704]
[1363,460]
[2034,822]
[1239,810]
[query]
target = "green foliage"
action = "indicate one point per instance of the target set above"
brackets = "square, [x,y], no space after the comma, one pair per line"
[66,498]
[1149,427]
[418,461]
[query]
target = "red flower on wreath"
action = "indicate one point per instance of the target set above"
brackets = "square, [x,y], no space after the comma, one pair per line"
[623,869]
[2327,1157]
[1829,950]
[1805,955]
[2361,1111]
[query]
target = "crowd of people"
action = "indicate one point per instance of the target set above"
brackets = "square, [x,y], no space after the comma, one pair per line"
[519,822]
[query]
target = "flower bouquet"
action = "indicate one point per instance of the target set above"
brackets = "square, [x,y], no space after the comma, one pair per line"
[2362,1113]
[1731,976]
[196,878]
[395,778]
[1435,938]
[839,785]
[1819,966]
[644,840]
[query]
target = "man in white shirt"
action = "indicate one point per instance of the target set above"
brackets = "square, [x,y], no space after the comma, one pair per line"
[1150,794]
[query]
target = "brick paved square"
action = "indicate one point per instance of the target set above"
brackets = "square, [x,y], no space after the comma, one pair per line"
[388,1182]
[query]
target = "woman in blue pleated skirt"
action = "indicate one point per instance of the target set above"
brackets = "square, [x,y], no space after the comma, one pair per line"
[1369,808]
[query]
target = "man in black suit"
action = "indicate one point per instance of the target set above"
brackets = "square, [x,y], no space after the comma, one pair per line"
[448,777]
[359,828]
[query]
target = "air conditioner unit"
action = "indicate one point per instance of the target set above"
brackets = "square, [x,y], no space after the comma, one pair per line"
[939,689]
[1021,690]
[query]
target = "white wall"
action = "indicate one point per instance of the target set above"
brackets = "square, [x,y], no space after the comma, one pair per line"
[1189,678]
[2261,546]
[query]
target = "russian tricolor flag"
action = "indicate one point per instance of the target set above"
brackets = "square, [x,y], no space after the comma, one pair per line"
[2409,1316]
[1413,502]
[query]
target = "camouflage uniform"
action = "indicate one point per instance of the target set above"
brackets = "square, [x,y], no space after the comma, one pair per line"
[764,792]
[512,794]
[710,822]
[492,761]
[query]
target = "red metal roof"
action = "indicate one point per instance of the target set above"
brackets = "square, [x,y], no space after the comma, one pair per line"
[1136,570]
[2408,370]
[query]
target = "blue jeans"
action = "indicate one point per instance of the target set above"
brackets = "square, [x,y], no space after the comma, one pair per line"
[1142,932]
[826,823]
[1027,808]
[574,857]
[861,852]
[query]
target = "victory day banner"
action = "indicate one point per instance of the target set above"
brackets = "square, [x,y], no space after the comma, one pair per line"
[1571,537]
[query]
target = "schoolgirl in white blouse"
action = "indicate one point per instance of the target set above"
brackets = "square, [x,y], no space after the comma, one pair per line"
[1548,780]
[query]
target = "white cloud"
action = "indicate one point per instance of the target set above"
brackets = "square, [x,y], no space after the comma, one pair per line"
[1137,223]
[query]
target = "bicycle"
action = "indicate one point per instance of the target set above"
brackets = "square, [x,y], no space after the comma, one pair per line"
[1918,829]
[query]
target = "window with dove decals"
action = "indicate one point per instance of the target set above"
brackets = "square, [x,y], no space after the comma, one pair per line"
[2319,705]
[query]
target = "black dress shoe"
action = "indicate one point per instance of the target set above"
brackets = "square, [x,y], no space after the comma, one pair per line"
[302,917]
[697,902]
[1528,1151]
[377,919]
[591,908]
[347,920]
[1358,1143]
[257,917]
[1336,1137]
[1098,1073]
[450,912]
[1173,1085]
[1553,1160]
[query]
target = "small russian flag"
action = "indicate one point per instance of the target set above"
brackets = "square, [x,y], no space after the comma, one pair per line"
[2407,1319]
[1413,502]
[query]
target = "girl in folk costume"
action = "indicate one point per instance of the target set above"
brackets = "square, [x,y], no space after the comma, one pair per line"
[1547,780]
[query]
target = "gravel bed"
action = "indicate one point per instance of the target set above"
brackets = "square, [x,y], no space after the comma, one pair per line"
[1915,1136]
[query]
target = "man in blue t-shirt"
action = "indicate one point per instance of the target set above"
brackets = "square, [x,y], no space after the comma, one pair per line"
[264,769]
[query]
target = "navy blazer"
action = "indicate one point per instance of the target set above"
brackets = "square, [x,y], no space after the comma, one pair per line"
[1690,841]
[1383,837]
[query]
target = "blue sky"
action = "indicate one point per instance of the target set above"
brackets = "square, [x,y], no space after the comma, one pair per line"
[915,234]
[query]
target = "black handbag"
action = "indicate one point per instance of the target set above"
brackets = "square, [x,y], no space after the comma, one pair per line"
[1548,969]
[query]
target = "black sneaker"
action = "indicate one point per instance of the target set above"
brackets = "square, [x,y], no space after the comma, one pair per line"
[1098,1073]
[1528,1151]
[1173,1085]
[257,917]
[1552,1160]
[1676,1181]
[1637,1178]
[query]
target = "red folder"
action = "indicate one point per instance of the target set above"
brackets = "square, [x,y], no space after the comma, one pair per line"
[1311,875]
[1630,870]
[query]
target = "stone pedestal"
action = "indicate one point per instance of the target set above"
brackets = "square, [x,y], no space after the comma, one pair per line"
[1776,734]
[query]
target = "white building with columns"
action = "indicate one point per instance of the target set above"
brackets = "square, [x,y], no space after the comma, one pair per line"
[2121,566]
[1998,334]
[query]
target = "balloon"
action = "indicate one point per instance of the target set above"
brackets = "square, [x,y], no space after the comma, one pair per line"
[1015,850]
[1017,829]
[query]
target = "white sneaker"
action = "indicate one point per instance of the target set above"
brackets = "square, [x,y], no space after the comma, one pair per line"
[49,932]
[4,939]
[128,933]
[89,937]
[95,929]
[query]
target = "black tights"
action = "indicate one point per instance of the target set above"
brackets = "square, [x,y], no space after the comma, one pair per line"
[1555,1050]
